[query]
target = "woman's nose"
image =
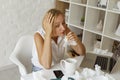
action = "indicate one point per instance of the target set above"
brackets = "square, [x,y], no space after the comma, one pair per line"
[62,27]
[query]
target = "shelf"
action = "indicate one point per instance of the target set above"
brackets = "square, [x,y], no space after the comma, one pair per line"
[79,1]
[76,18]
[107,43]
[66,1]
[113,36]
[111,25]
[89,40]
[108,54]
[98,8]
[114,11]
[112,4]
[75,29]
[93,30]
[81,26]
[94,4]
[95,20]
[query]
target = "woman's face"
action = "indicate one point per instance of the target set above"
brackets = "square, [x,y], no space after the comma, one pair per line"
[59,26]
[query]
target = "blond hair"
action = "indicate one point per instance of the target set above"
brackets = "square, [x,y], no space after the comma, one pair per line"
[55,13]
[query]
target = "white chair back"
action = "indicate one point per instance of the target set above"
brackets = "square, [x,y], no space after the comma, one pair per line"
[21,55]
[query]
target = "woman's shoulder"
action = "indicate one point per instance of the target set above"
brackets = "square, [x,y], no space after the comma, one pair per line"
[40,32]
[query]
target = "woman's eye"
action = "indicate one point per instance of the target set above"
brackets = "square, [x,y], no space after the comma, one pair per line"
[63,23]
[57,26]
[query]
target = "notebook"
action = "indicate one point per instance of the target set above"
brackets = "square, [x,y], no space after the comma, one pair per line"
[115,73]
[110,65]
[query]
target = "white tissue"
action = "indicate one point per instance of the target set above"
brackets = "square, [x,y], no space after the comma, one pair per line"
[64,78]
[98,70]
[69,42]
[85,74]
[42,75]
[39,76]
[88,72]
[109,77]
[78,76]
[101,77]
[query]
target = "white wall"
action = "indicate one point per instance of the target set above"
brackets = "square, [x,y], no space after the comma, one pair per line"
[17,18]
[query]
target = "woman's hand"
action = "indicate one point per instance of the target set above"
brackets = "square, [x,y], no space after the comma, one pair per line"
[79,48]
[72,37]
[48,23]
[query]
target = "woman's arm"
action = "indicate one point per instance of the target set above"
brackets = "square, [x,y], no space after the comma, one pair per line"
[44,50]
[44,46]
[79,48]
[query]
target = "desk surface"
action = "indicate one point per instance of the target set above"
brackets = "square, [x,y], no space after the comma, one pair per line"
[55,67]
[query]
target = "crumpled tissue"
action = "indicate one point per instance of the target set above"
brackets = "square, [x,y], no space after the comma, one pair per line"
[41,75]
[69,42]
[90,74]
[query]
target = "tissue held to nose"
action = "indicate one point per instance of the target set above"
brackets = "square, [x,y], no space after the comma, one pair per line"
[70,39]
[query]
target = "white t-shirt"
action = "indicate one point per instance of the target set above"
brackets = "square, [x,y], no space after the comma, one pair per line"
[58,50]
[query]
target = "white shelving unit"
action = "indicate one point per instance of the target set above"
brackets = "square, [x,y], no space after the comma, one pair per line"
[92,15]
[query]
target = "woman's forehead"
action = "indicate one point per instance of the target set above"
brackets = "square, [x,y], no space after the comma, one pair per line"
[59,19]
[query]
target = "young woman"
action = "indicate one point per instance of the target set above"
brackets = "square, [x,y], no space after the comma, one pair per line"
[49,40]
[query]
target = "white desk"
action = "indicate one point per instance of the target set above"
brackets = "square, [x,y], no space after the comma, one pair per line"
[55,67]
